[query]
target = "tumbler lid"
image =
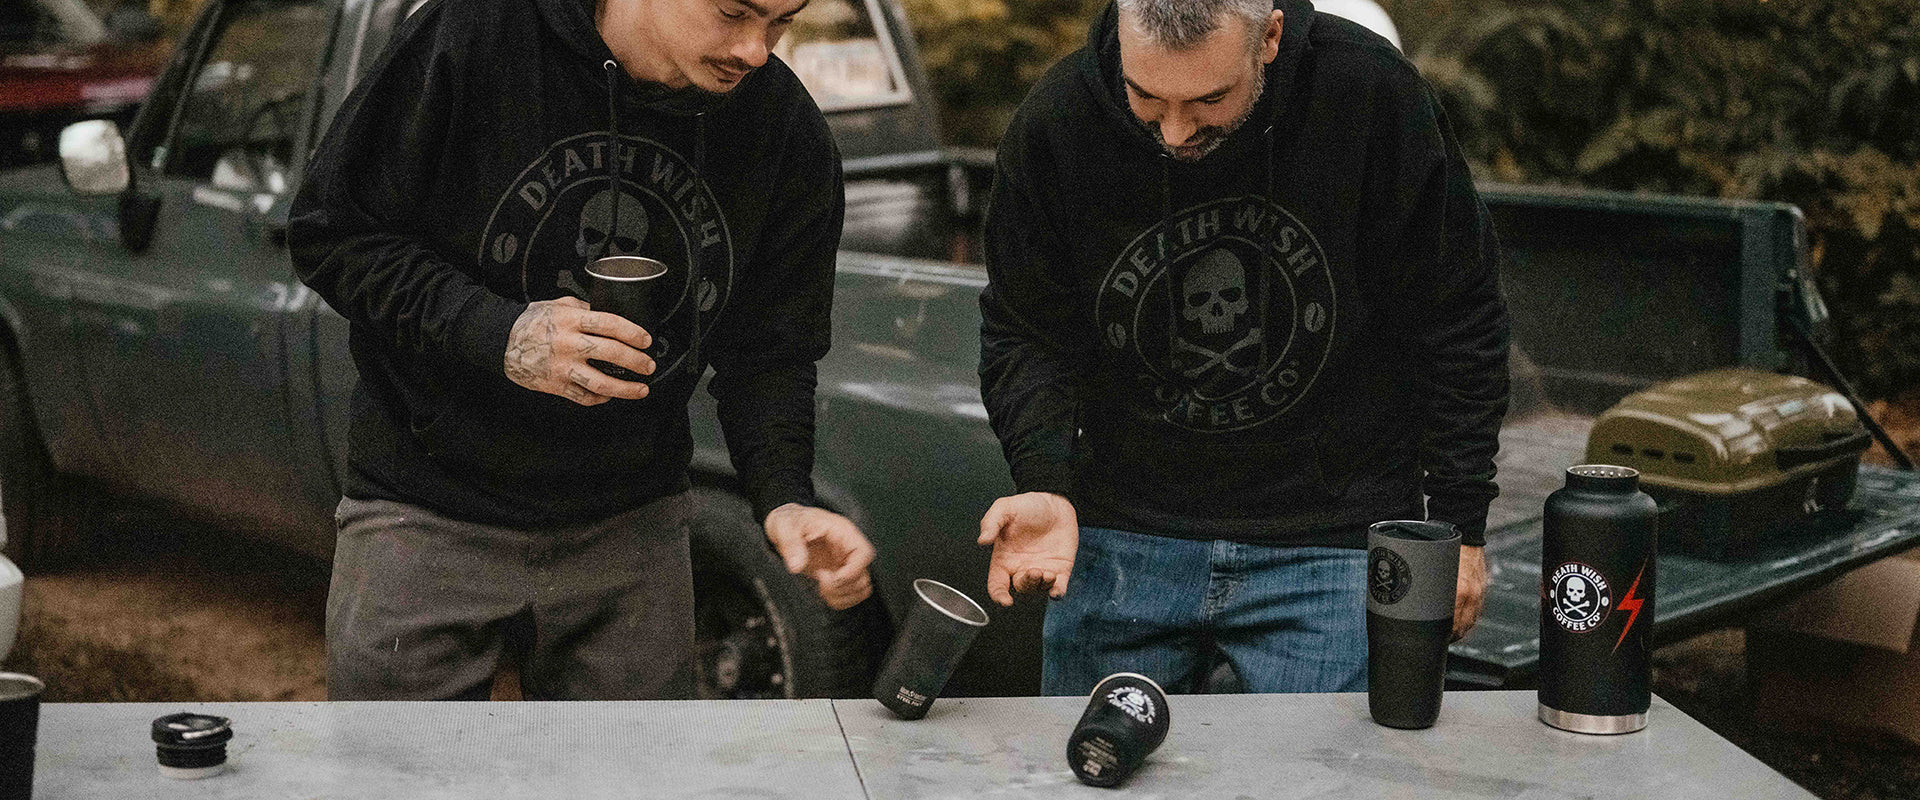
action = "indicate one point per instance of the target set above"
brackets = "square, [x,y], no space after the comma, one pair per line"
[17,686]
[1603,477]
[187,729]
[1415,530]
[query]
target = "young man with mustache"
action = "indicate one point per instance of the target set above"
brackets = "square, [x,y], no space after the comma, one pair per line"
[508,498]
[1242,303]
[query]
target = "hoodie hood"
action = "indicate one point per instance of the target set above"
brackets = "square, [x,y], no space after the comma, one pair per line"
[1100,68]
[572,21]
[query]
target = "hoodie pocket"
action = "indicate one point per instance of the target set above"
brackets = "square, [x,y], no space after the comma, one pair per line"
[1216,480]
[534,441]
[1368,461]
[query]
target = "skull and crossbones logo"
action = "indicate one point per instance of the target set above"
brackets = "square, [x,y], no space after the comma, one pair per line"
[1579,597]
[1133,702]
[598,214]
[1574,600]
[1214,305]
[593,236]
[1390,578]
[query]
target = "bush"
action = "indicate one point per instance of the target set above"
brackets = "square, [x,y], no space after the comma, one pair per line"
[983,55]
[1812,103]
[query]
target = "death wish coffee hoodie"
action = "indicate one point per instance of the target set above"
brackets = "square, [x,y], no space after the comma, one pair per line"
[468,174]
[1296,336]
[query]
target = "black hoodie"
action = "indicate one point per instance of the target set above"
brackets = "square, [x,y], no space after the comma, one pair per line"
[1295,336]
[467,175]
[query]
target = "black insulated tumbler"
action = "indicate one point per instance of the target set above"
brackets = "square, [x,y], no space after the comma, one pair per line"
[936,634]
[19,730]
[1413,571]
[1596,602]
[1125,721]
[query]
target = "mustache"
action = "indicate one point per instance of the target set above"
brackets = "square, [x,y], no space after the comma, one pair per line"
[728,64]
[1200,136]
[1202,142]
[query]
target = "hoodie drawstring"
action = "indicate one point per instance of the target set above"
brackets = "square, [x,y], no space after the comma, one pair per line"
[693,270]
[613,183]
[613,159]
[1266,151]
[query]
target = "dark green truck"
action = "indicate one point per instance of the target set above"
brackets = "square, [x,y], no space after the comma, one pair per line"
[158,345]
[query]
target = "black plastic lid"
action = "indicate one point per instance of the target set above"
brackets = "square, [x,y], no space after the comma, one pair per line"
[1603,478]
[187,729]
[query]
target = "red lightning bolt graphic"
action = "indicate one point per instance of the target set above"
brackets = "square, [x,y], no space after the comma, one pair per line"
[1630,603]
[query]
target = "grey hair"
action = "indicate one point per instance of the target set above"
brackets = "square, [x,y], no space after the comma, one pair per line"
[1180,24]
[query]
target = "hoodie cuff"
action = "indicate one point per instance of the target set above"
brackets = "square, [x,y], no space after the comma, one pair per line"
[1040,475]
[480,337]
[767,498]
[1469,516]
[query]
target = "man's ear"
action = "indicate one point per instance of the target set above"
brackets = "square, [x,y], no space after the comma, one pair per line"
[1270,43]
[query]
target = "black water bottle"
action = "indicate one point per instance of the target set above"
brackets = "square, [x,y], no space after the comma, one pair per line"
[1596,602]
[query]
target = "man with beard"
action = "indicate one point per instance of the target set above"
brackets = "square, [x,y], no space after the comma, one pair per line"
[1242,303]
[507,498]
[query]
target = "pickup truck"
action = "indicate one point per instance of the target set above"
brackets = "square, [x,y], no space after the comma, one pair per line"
[158,345]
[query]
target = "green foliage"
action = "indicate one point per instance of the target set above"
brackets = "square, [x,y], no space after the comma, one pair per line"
[1813,103]
[983,55]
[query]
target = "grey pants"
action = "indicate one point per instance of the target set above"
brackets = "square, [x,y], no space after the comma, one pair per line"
[423,607]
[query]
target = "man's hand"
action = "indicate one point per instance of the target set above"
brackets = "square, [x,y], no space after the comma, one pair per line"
[826,547]
[547,351]
[1034,537]
[1471,592]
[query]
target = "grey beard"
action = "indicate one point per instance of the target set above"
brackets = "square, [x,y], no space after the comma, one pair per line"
[1211,137]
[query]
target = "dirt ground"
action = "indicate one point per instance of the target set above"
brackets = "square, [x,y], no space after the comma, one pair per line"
[168,613]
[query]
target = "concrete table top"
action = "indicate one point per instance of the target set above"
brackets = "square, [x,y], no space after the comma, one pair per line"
[1282,747]
[1486,745]
[768,749]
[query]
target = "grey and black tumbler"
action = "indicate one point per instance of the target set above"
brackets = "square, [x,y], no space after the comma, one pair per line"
[1413,570]
[937,632]
[1125,721]
[1597,602]
[623,285]
[19,729]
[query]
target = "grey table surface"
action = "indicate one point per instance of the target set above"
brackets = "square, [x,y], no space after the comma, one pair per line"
[1486,745]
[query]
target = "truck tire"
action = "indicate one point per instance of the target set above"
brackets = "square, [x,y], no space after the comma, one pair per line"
[762,632]
[44,511]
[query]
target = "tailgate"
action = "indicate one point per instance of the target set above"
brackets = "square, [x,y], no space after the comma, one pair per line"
[1692,594]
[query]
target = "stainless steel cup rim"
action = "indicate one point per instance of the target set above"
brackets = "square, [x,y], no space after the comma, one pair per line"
[950,601]
[648,268]
[16,685]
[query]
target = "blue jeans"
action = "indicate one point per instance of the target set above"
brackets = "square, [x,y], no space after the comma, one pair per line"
[1289,619]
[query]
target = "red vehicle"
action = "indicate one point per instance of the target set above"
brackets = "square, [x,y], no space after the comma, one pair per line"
[62,61]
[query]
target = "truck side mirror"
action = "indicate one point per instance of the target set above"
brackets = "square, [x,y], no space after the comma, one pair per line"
[93,158]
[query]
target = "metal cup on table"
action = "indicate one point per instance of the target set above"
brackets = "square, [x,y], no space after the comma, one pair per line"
[1125,721]
[1413,568]
[19,729]
[937,632]
[623,285]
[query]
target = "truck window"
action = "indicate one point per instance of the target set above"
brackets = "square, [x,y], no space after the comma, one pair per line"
[842,52]
[242,112]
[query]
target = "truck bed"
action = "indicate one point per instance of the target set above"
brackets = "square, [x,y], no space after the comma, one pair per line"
[1692,594]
